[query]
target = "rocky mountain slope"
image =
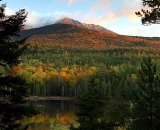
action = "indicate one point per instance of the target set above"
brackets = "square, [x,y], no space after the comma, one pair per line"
[67,20]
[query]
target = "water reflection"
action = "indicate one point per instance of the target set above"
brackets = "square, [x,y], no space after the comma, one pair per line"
[55,115]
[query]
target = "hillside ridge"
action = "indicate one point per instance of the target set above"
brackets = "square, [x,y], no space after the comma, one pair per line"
[99,28]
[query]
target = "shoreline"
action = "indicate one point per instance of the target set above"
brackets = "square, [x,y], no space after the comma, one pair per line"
[36,98]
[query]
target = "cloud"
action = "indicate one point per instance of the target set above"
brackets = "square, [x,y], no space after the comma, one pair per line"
[109,17]
[151,31]
[102,5]
[9,11]
[139,30]
[124,9]
[69,2]
[113,10]
[35,19]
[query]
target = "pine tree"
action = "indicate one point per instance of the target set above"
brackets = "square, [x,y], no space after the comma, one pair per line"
[91,108]
[13,88]
[145,109]
[152,16]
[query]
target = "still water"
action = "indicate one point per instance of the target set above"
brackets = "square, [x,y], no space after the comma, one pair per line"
[55,115]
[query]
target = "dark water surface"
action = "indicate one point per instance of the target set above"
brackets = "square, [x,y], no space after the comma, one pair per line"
[55,115]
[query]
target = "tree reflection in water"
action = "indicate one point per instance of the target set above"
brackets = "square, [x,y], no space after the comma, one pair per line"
[55,115]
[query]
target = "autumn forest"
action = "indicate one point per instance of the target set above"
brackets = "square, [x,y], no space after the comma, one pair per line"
[111,80]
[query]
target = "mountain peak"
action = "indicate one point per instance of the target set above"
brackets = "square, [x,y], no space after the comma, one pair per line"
[67,20]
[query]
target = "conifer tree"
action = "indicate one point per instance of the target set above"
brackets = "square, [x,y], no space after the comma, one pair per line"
[13,88]
[145,109]
[91,108]
[151,16]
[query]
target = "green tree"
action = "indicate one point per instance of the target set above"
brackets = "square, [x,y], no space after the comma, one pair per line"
[150,16]
[91,108]
[145,102]
[13,88]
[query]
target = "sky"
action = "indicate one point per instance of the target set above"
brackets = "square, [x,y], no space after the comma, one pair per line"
[115,15]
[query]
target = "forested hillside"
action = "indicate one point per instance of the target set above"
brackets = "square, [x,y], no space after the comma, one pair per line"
[74,36]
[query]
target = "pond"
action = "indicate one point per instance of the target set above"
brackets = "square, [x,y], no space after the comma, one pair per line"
[55,115]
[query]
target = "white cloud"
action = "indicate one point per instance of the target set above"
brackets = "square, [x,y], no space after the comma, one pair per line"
[140,30]
[35,19]
[9,11]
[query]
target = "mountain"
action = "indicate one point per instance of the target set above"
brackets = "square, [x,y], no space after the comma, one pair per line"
[56,28]
[65,25]
[71,33]
[67,20]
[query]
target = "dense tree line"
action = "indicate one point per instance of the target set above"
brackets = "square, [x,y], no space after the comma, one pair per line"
[62,71]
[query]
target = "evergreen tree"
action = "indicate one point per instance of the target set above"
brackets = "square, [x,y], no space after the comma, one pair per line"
[145,109]
[152,16]
[13,88]
[91,108]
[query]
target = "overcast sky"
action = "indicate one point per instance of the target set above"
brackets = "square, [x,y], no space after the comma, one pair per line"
[116,15]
